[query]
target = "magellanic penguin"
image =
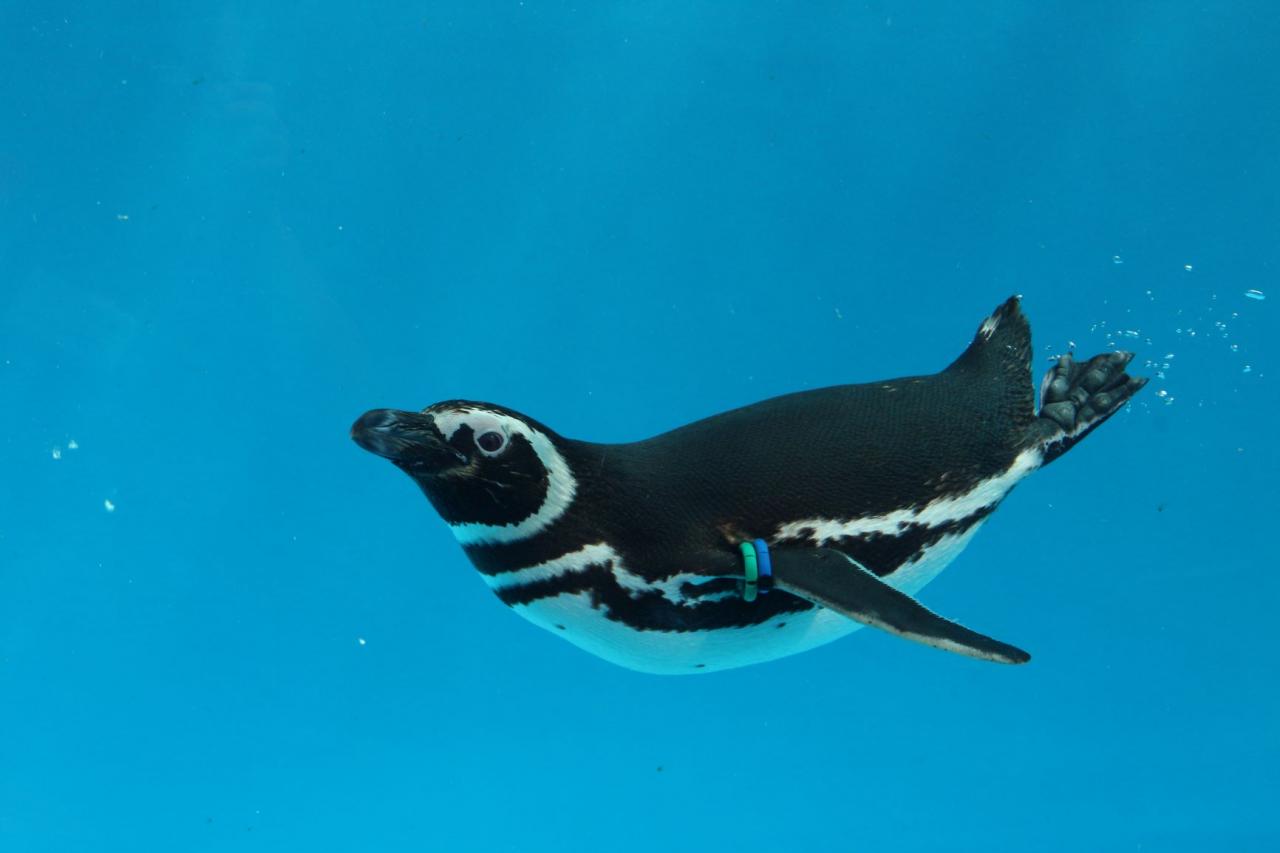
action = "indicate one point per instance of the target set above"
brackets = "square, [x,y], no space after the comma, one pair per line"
[859,494]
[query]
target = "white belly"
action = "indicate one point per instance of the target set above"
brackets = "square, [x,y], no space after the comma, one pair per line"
[691,652]
[684,652]
[573,617]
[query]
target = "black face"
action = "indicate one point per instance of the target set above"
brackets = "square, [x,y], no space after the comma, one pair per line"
[476,465]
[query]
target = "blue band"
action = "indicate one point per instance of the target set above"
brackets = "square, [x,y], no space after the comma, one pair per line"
[764,563]
[757,568]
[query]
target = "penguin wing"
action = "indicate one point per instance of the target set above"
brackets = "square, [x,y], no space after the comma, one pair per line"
[835,580]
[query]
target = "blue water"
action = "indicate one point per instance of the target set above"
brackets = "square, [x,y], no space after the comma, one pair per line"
[228,229]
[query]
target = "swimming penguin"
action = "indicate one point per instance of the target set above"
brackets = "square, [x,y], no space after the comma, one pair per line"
[762,531]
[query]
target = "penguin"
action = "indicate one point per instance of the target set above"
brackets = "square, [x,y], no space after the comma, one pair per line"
[650,554]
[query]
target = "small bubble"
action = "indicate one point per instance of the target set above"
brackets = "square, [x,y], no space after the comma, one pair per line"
[1187,267]
[1235,348]
[56,453]
[1162,393]
[1116,259]
[1255,294]
[1248,368]
[109,505]
[360,640]
[73,445]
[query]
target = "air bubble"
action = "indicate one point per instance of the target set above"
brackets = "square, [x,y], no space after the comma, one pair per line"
[1255,294]
[1116,259]
[56,453]
[109,505]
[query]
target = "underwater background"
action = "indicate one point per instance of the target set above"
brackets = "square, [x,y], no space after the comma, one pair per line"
[228,229]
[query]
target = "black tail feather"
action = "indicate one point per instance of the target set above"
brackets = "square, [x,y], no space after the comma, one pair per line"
[1001,353]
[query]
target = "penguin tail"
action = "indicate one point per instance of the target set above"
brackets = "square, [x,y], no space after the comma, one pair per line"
[997,364]
[1075,398]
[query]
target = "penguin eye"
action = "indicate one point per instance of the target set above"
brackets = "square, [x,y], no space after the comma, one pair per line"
[491,441]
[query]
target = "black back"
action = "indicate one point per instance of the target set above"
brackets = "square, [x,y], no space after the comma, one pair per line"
[679,501]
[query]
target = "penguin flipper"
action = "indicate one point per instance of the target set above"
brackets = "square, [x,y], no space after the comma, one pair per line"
[836,581]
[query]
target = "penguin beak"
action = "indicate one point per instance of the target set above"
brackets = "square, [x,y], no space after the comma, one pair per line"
[408,439]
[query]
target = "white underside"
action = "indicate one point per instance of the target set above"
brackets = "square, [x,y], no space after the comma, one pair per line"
[689,652]
[681,652]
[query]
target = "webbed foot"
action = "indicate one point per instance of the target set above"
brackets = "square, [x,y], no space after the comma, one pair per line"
[1076,398]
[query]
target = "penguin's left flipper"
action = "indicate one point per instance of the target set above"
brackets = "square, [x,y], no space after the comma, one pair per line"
[836,581]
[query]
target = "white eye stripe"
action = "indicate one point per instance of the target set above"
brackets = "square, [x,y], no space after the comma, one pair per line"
[561,484]
[480,422]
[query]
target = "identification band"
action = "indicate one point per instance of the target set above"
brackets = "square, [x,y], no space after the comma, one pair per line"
[757,568]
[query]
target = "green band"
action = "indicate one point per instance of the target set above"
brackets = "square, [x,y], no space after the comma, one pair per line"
[750,571]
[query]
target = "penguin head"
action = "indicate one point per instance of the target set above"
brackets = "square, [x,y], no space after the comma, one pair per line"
[493,475]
